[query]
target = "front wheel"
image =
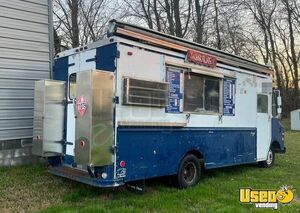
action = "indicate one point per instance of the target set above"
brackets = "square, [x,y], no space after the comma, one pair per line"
[189,171]
[269,161]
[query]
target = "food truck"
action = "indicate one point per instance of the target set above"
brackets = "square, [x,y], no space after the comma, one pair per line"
[141,104]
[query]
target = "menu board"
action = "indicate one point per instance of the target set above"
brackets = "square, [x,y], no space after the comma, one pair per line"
[229,97]
[175,77]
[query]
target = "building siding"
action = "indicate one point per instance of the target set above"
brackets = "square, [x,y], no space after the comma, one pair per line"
[25,56]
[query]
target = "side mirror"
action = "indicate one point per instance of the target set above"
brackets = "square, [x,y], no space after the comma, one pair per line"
[279,110]
[279,101]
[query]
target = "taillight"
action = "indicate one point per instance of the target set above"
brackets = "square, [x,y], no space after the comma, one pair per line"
[82,143]
[122,164]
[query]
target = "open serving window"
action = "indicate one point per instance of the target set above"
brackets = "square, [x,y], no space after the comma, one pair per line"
[194,90]
[202,93]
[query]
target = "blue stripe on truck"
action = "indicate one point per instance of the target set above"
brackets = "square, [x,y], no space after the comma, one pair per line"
[153,152]
[60,68]
[106,57]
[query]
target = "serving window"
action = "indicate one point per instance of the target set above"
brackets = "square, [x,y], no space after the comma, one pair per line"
[202,93]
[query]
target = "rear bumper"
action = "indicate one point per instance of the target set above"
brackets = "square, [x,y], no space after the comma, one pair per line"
[83,177]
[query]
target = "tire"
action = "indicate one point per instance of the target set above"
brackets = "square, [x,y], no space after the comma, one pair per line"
[270,160]
[189,172]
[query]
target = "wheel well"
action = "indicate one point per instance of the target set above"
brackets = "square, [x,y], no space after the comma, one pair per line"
[275,146]
[197,153]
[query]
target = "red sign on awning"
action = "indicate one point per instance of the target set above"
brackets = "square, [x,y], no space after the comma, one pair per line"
[201,58]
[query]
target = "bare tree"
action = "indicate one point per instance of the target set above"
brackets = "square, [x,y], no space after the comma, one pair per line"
[57,42]
[201,9]
[263,13]
[266,31]
[169,16]
[147,12]
[169,11]
[157,14]
[216,21]
[67,14]
[289,7]
[78,22]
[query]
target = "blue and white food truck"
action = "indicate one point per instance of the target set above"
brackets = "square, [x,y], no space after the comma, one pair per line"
[141,104]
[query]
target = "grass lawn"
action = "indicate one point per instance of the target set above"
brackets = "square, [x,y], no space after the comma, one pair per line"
[32,189]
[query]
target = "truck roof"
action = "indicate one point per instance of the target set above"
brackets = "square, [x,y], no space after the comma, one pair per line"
[120,29]
[142,34]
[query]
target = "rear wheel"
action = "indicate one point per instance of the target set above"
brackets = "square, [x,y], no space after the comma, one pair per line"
[189,171]
[269,161]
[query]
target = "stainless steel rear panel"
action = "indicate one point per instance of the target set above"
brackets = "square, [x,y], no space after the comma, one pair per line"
[48,121]
[94,118]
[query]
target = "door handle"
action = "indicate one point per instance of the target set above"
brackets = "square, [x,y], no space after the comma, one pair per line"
[74,107]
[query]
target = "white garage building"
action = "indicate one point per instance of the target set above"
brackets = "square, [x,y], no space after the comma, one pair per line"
[25,56]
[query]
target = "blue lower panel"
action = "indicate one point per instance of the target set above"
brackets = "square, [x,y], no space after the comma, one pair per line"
[277,134]
[153,152]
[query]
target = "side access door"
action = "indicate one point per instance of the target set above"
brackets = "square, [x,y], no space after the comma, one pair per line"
[263,125]
[95,92]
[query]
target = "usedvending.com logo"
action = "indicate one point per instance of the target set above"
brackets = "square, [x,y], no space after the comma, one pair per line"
[266,198]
